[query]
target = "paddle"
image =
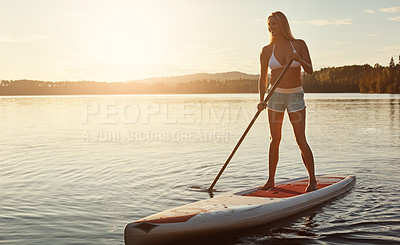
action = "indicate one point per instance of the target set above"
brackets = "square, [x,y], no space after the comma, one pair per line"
[248,127]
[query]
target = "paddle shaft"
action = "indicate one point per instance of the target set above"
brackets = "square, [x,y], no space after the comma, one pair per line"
[250,125]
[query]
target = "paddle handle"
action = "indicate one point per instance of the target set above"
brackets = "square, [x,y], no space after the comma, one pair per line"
[250,125]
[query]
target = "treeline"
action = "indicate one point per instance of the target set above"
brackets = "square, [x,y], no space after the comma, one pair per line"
[354,79]
[346,79]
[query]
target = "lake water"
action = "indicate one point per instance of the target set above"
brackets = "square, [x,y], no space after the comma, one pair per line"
[76,169]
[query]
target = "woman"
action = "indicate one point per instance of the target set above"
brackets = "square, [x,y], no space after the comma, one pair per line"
[288,95]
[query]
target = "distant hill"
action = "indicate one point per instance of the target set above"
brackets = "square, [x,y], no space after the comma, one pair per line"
[344,79]
[233,75]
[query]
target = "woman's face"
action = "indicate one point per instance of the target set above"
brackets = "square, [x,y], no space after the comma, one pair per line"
[273,26]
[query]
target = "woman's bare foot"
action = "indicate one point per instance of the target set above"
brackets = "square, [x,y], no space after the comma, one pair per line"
[312,186]
[268,185]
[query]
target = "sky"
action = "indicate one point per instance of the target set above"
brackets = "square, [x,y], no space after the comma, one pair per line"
[121,40]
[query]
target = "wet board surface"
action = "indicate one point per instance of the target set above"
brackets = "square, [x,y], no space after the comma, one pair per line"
[294,188]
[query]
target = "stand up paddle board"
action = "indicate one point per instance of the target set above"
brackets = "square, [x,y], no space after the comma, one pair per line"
[235,210]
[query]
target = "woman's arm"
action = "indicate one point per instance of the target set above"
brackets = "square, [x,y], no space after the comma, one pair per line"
[262,83]
[303,57]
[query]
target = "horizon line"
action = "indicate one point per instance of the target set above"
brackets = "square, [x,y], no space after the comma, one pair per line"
[172,76]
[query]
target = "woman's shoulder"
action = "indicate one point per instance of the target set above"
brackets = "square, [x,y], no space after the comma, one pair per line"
[266,53]
[267,49]
[299,42]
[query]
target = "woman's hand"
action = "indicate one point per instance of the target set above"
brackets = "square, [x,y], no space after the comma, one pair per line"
[295,56]
[261,106]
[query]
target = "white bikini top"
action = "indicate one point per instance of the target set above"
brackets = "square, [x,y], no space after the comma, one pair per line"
[274,63]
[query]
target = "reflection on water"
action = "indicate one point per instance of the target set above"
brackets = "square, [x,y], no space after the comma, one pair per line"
[395,114]
[76,169]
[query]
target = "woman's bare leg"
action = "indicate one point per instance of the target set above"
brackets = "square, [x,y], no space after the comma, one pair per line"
[275,126]
[298,120]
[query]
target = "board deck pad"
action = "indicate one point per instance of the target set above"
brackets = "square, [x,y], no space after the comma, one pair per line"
[293,188]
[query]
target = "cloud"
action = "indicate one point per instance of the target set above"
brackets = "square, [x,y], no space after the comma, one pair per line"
[369,11]
[373,35]
[330,22]
[391,49]
[342,43]
[391,10]
[395,18]
[22,39]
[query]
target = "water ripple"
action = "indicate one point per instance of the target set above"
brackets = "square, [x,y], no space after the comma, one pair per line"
[59,188]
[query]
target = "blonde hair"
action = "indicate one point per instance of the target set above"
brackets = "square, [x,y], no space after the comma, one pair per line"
[283,24]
